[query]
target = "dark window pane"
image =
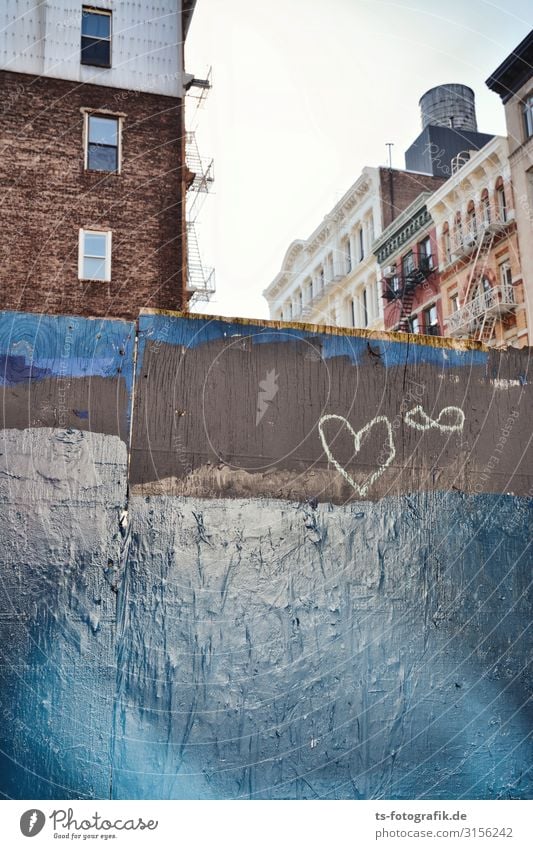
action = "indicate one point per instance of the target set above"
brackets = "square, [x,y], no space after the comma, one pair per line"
[102,158]
[103,130]
[95,52]
[99,26]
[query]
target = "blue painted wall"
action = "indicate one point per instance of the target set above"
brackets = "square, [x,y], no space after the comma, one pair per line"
[168,636]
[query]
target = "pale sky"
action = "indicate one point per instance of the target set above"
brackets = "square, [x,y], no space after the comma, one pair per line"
[305,94]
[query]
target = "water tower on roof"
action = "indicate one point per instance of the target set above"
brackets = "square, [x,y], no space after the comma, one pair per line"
[451,105]
[449,130]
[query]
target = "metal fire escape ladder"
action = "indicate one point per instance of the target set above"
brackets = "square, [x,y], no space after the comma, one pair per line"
[200,280]
[486,330]
[482,252]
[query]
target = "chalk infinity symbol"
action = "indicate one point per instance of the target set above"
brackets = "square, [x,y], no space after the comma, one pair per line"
[420,420]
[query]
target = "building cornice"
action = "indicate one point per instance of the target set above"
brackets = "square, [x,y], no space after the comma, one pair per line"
[356,194]
[514,71]
[402,230]
[492,156]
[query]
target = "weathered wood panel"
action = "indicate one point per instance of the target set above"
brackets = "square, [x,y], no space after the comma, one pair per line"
[231,409]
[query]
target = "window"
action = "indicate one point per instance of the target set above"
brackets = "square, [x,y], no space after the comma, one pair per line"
[300,300]
[485,208]
[502,203]
[454,302]
[414,325]
[506,277]
[361,244]
[102,135]
[94,258]
[528,116]
[364,303]
[321,278]
[424,253]
[354,317]
[348,255]
[95,37]
[471,223]
[447,243]
[408,264]
[396,284]
[431,321]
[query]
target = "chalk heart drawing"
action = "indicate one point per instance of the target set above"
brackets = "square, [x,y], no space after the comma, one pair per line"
[358,436]
[449,419]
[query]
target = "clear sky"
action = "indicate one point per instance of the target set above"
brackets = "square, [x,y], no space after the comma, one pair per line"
[305,94]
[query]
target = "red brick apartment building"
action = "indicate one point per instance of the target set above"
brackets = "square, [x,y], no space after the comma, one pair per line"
[92,166]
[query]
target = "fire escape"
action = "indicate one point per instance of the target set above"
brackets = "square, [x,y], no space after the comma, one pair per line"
[479,310]
[200,279]
[401,287]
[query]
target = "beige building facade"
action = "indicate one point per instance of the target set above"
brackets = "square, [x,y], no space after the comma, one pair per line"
[481,279]
[513,81]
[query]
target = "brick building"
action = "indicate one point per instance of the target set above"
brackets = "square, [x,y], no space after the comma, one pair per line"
[408,259]
[92,171]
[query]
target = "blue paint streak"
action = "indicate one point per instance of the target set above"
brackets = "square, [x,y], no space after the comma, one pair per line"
[39,347]
[194,332]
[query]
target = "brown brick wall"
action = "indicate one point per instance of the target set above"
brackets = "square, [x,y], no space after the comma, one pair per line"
[400,188]
[46,196]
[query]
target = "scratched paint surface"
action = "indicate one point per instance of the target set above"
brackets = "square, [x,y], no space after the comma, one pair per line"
[274,619]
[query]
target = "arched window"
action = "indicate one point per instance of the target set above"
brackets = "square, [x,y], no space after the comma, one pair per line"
[501,201]
[485,207]
[446,243]
[471,221]
[458,230]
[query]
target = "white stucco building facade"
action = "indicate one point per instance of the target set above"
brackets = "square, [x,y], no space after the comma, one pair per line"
[332,276]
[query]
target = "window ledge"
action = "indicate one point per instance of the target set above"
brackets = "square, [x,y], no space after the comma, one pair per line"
[97,171]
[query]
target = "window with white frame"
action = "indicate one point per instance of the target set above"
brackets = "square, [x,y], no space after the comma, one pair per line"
[364,307]
[354,313]
[506,277]
[447,244]
[94,256]
[96,37]
[502,203]
[348,255]
[528,116]
[454,302]
[361,241]
[102,142]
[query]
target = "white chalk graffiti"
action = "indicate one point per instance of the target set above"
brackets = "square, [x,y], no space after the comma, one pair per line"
[449,419]
[424,422]
[361,489]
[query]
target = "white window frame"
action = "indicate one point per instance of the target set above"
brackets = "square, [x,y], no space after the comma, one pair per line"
[506,277]
[81,254]
[104,113]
